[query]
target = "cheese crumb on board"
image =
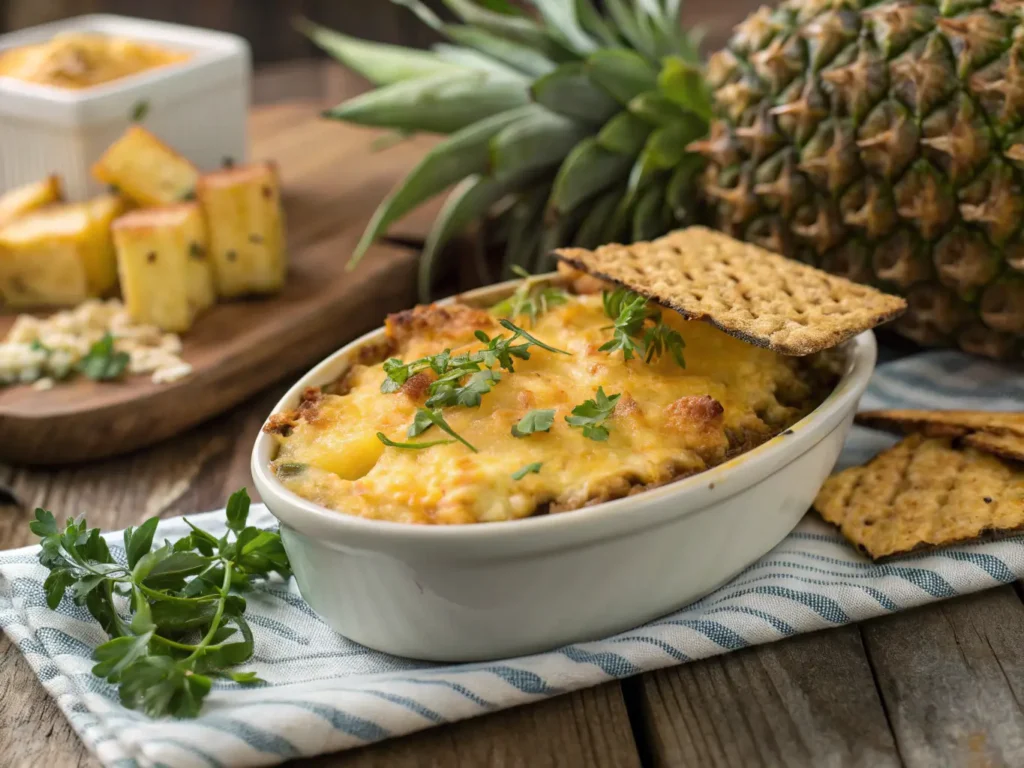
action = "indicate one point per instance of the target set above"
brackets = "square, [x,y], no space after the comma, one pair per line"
[40,351]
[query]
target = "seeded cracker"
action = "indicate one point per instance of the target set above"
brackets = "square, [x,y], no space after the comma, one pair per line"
[1001,433]
[746,291]
[923,493]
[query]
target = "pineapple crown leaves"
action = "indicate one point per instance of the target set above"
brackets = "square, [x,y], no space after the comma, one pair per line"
[574,124]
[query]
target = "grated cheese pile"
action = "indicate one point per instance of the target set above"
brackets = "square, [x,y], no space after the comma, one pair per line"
[40,351]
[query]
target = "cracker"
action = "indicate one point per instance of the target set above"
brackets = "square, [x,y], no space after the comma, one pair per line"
[1009,445]
[943,423]
[924,492]
[748,292]
[998,432]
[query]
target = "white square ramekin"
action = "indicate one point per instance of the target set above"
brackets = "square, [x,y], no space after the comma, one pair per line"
[198,107]
[497,590]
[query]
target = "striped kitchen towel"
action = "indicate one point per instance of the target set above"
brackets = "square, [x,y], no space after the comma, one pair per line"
[327,693]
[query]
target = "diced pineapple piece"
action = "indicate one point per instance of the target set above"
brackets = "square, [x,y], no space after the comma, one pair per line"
[22,200]
[247,240]
[162,259]
[100,261]
[42,258]
[146,170]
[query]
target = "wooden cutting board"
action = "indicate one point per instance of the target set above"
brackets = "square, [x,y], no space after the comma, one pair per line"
[331,181]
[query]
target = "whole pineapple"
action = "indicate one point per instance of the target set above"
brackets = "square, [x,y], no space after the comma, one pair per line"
[882,141]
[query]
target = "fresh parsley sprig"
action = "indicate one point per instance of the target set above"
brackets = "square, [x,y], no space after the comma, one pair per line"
[534,468]
[538,420]
[638,329]
[530,298]
[447,388]
[591,415]
[184,624]
[425,419]
[103,362]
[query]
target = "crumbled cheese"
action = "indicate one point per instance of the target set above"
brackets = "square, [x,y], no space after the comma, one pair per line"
[43,350]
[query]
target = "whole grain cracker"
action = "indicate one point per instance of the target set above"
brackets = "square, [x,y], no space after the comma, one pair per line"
[998,432]
[923,493]
[1009,445]
[748,292]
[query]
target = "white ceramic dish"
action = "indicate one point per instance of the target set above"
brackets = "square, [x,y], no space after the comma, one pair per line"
[495,590]
[199,107]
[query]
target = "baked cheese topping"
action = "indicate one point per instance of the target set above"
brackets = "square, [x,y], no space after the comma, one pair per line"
[668,421]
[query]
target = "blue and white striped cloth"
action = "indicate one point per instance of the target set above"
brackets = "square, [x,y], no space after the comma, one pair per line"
[327,693]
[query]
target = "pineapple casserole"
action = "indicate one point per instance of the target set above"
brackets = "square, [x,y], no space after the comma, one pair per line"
[883,141]
[548,402]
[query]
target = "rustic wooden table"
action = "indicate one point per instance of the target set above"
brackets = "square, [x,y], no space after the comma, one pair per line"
[942,685]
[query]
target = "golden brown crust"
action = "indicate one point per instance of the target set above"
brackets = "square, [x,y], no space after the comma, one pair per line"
[704,411]
[746,291]
[307,410]
[430,320]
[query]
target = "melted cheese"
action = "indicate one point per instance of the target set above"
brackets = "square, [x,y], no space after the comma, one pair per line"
[81,60]
[664,425]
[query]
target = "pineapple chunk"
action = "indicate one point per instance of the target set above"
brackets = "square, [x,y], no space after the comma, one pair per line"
[42,258]
[100,261]
[146,170]
[247,241]
[22,200]
[166,278]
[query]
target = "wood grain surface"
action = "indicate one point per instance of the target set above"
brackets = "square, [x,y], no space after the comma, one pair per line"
[237,348]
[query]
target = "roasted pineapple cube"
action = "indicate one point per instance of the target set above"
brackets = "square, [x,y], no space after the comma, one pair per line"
[42,258]
[146,170]
[22,200]
[162,259]
[247,241]
[100,261]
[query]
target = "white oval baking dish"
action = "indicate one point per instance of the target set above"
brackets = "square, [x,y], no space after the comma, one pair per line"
[495,590]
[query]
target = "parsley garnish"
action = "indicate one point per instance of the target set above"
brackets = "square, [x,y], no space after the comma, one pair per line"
[534,421]
[103,363]
[425,419]
[592,414]
[448,389]
[519,474]
[415,446]
[173,592]
[139,111]
[633,335]
[530,299]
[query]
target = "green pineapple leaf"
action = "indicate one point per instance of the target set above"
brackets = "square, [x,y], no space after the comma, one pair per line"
[379,63]
[569,91]
[442,103]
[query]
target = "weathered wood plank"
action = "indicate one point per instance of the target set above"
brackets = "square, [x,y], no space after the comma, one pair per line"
[587,728]
[34,732]
[805,701]
[952,680]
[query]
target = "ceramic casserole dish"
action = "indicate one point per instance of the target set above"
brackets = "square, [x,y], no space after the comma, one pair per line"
[501,589]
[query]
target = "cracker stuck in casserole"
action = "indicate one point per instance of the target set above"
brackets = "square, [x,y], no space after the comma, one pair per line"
[748,292]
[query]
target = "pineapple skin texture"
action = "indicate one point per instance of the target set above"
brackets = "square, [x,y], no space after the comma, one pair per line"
[42,258]
[162,262]
[247,235]
[884,143]
[146,170]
